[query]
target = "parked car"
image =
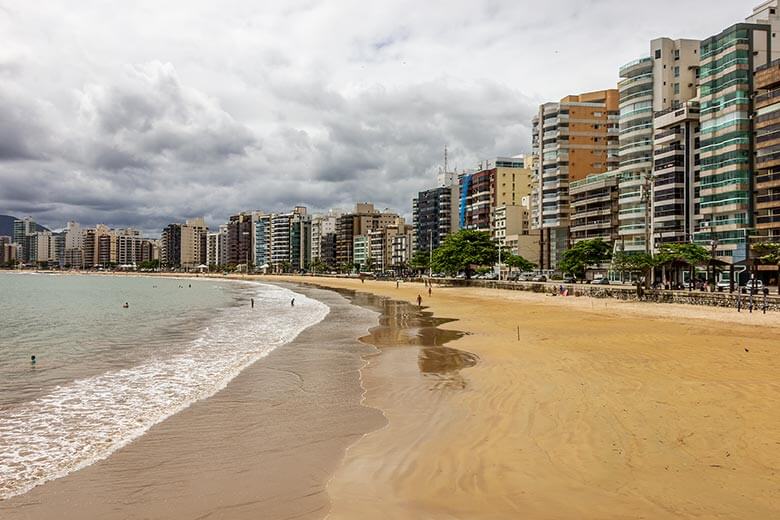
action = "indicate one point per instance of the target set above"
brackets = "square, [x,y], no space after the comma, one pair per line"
[490,276]
[756,284]
[600,281]
[539,278]
[569,279]
[724,285]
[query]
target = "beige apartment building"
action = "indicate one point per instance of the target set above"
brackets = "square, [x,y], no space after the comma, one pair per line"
[573,138]
[194,248]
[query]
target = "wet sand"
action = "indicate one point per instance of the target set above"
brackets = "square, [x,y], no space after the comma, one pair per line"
[601,409]
[264,447]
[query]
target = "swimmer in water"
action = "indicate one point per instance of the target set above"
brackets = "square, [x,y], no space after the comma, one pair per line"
[126,305]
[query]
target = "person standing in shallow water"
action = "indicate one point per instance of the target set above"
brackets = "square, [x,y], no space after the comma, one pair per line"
[292,302]
[32,360]
[252,302]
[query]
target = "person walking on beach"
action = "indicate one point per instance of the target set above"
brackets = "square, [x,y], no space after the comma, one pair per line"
[419,300]
[397,283]
[429,289]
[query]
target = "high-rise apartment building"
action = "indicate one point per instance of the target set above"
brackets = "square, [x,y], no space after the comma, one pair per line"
[128,246]
[666,79]
[766,121]
[170,246]
[240,240]
[503,183]
[262,233]
[193,243]
[676,173]
[362,220]
[728,62]
[571,139]
[321,226]
[594,207]
[434,216]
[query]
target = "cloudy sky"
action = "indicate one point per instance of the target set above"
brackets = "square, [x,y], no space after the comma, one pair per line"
[146,112]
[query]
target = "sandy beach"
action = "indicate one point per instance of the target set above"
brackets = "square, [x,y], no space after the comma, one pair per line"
[601,409]
[483,404]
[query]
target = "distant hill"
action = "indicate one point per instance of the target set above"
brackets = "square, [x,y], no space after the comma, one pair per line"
[7,225]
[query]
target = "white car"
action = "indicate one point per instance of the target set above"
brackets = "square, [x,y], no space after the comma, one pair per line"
[756,285]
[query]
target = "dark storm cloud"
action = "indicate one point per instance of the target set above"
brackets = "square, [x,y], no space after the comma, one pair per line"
[209,109]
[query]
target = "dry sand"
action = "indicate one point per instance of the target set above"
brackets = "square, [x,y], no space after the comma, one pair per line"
[601,409]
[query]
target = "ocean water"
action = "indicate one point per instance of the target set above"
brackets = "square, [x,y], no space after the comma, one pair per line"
[105,374]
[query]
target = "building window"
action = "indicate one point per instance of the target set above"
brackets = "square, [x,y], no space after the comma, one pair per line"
[658,54]
[676,88]
[676,71]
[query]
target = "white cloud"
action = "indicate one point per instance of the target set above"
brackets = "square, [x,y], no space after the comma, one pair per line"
[146,112]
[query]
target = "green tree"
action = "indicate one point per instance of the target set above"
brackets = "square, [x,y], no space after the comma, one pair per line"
[677,255]
[318,266]
[462,250]
[149,264]
[518,262]
[583,254]
[420,261]
[634,263]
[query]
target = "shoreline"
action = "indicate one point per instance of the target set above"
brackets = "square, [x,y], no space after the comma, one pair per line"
[619,410]
[544,407]
[289,416]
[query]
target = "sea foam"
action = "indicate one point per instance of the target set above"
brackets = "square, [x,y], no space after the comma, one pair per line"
[86,420]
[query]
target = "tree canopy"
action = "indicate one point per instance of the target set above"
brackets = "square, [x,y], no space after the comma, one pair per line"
[768,252]
[633,262]
[583,254]
[519,262]
[463,249]
[683,252]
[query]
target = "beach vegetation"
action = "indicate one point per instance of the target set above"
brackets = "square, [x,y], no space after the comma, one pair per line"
[318,266]
[584,254]
[518,262]
[420,261]
[464,251]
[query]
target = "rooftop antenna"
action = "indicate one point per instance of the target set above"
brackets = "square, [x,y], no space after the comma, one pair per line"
[445,159]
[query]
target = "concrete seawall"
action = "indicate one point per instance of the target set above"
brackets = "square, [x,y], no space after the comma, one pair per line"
[628,293]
